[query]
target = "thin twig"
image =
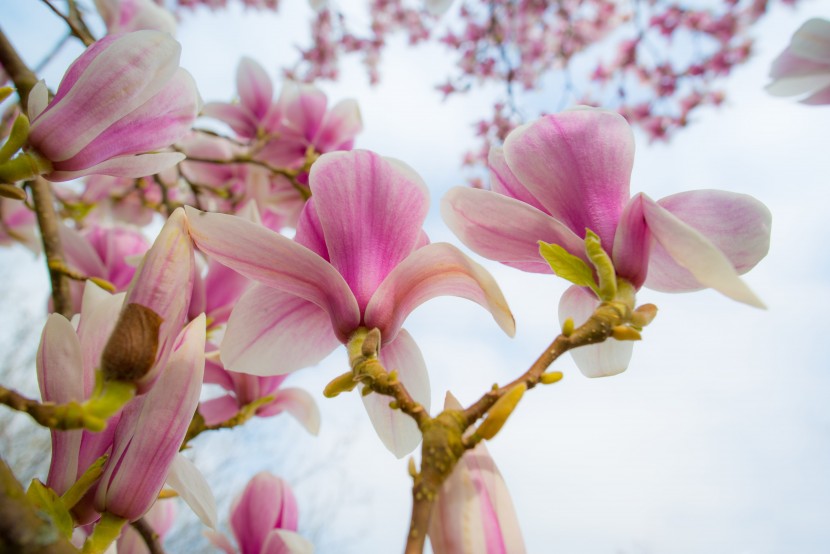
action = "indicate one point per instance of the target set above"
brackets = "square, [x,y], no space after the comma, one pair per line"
[150,536]
[75,23]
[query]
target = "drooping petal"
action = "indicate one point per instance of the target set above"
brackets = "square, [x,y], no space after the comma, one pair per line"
[396,430]
[186,479]
[254,87]
[276,261]
[151,430]
[819,98]
[303,108]
[217,410]
[505,230]
[799,84]
[267,503]
[60,378]
[596,360]
[271,332]
[280,541]
[339,127]
[79,253]
[297,402]
[632,244]
[310,233]
[812,40]
[133,167]
[578,165]
[238,118]
[438,269]
[739,224]
[371,210]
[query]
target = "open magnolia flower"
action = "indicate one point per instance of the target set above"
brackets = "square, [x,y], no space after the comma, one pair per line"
[359,259]
[122,100]
[570,172]
[804,66]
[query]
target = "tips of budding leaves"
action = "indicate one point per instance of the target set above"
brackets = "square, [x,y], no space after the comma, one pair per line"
[551,377]
[603,264]
[131,350]
[568,327]
[501,410]
[623,332]
[341,383]
[643,315]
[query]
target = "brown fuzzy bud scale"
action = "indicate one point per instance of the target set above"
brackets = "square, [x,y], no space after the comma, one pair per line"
[131,349]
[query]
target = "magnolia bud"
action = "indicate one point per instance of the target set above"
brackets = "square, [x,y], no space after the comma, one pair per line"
[130,352]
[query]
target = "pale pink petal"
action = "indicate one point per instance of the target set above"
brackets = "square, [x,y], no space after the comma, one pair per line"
[371,210]
[137,166]
[788,64]
[438,269]
[819,98]
[215,373]
[339,127]
[438,7]
[504,182]
[130,71]
[578,165]
[632,244]
[399,432]
[280,541]
[186,479]
[277,261]
[151,430]
[505,230]
[38,100]
[718,215]
[272,333]
[238,118]
[267,503]
[303,108]
[99,313]
[220,541]
[217,410]
[60,378]
[596,360]
[224,287]
[254,87]
[790,86]
[297,402]
[812,41]
[80,254]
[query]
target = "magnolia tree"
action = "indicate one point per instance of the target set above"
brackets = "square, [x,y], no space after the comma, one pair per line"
[281,243]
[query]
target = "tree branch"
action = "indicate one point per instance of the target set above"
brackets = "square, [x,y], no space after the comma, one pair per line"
[151,538]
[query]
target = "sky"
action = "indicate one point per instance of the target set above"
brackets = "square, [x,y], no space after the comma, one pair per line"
[716,439]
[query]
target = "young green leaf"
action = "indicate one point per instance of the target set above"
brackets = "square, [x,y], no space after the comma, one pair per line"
[568,266]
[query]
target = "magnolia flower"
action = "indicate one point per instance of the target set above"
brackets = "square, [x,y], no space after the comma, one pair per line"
[17,224]
[570,172]
[122,100]
[804,66]
[264,520]
[359,259]
[102,252]
[124,16]
[473,511]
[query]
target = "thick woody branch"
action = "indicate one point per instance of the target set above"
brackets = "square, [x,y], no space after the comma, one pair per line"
[47,220]
[24,529]
[20,74]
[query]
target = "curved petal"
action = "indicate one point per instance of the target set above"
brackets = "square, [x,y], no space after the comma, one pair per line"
[820,97]
[220,541]
[339,127]
[217,410]
[272,333]
[186,479]
[632,244]
[281,541]
[438,269]
[790,86]
[596,360]
[38,100]
[304,107]
[371,210]
[812,40]
[254,87]
[397,430]
[739,224]
[238,118]
[133,167]
[276,261]
[309,232]
[266,503]
[297,402]
[578,164]
[504,182]
[504,229]
[80,254]
[99,313]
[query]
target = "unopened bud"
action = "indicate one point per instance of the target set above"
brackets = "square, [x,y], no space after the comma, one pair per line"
[412,469]
[131,350]
[644,315]
[341,383]
[371,343]
[568,327]
[501,410]
[12,192]
[551,377]
[622,332]
[366,391]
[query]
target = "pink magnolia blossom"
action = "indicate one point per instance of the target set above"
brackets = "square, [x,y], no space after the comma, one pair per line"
[804,66]
[264,520]
[570,172]
[124,16]
[124,98]
[359,259]
[103,252]
[473,511]
[17,224]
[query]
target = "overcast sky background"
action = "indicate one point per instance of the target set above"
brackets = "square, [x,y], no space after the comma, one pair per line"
[717,438]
